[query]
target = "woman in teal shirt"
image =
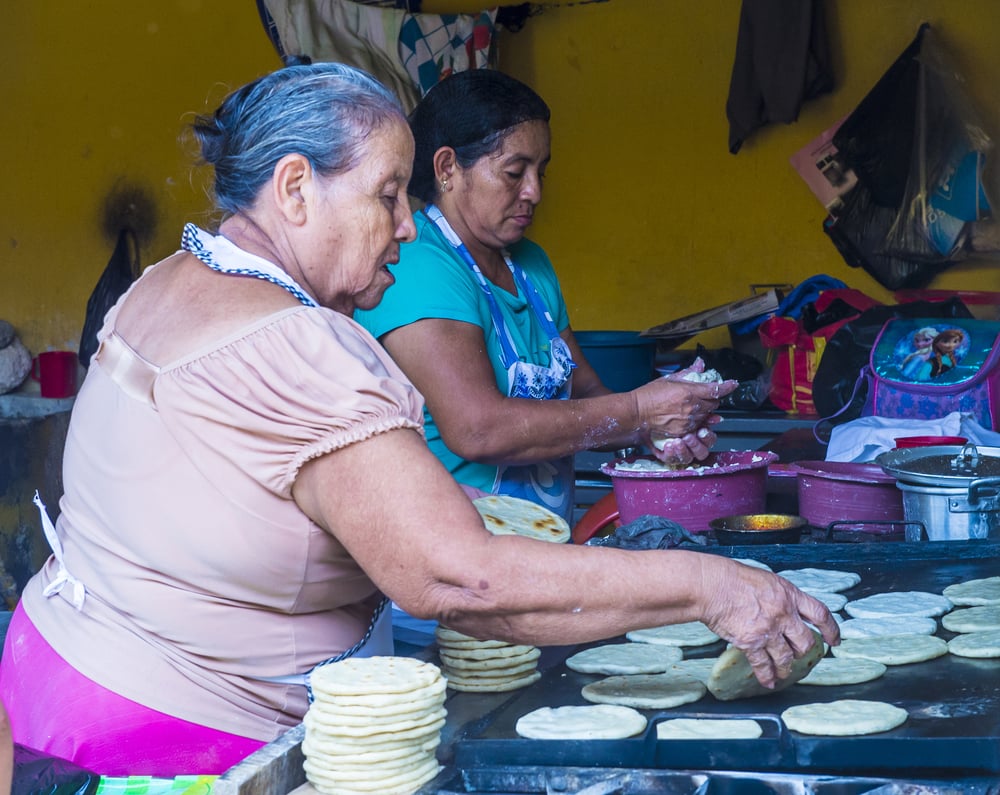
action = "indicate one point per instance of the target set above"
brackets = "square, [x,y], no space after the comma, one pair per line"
[477,320]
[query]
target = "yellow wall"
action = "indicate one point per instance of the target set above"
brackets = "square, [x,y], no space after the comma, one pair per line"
[647,216]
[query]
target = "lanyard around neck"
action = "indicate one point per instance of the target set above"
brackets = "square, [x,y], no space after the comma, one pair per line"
[508,350]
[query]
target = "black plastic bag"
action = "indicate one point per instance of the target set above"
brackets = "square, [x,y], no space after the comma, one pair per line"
[917,148]
[848,350]
[36,773]
[122,269]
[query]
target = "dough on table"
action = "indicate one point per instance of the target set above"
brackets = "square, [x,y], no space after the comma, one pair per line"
[893,649]
[844,718]
[645,691]
[593,722]
[976,644]
[831,671]
[691,633]
[625,658]
[984,591]
[972,619]
[708,729]
[887,625]
[899,603]
[821,580]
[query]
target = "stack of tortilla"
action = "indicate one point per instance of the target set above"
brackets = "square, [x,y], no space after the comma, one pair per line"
[485,666]
[374,726]
[495,666]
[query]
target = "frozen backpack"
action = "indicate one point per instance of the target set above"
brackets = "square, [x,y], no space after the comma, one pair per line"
[926,368]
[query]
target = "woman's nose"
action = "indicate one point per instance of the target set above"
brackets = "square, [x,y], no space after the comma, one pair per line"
[406,230]
[531,188]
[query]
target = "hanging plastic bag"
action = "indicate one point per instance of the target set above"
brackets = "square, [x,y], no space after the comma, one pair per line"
[122,269]
[917,148]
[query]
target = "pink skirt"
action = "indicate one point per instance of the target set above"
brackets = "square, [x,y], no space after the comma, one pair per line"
[56,710]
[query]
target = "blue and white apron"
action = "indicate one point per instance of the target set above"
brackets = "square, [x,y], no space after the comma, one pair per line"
[548,483]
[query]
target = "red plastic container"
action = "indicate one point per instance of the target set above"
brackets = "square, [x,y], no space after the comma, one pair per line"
[928,441]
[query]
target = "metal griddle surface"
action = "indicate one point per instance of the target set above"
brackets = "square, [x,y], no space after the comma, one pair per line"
[953,727]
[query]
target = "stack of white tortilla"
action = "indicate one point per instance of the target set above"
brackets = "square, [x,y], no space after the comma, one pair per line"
[374,726]
[495,666]
[485,666]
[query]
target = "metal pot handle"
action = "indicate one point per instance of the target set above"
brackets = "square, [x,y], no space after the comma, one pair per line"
[983,488]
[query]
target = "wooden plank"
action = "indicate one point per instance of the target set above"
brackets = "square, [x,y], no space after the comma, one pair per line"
[273,770]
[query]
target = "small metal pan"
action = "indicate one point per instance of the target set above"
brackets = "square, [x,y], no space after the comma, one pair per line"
[758,528]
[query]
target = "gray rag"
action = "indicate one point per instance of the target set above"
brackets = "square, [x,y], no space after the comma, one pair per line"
[648,532]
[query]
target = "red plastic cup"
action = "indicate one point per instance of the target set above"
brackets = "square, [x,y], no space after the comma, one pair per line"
[928,441]
[55,372]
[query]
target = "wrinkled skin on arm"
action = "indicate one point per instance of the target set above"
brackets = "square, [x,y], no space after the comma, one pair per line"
[420,539]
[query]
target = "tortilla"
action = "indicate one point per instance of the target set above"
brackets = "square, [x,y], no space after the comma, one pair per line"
[899,603]
[493,685]
[506,515]
[700,667]
[733,678]
[834,601]
[893,649]
[821,580]
[645,691]
[972,619]
[985,591]
[843,671]
[373,726]
[976,644]
[708,729]
[887,625]
[598,722]
[625,658]
[357,676]
[691,633]
[844,718]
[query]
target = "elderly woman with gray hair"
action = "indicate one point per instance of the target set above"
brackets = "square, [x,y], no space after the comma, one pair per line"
[246,475]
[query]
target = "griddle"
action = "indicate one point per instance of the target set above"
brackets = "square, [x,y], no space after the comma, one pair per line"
[952,733]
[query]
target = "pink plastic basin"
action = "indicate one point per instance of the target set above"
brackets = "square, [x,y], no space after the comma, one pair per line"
[725,484]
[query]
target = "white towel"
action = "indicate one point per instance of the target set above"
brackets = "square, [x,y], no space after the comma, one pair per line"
[867,437]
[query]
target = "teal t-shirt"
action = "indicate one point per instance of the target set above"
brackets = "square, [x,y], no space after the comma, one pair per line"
[433,281]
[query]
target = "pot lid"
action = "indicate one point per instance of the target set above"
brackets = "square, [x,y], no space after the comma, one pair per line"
[849,471]
[948,465]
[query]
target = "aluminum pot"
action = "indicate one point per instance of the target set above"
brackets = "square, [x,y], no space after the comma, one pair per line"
[954,491]
[850,494]
[725,484]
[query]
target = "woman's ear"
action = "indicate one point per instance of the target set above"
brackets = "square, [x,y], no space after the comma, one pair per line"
[293,185]
[445,165]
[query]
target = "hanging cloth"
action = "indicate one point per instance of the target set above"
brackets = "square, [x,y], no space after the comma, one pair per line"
[408,53]
[782,59]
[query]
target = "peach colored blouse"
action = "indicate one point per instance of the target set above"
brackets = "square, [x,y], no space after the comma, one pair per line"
[201,573]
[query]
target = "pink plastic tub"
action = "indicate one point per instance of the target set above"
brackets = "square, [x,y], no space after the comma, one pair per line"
[726,484]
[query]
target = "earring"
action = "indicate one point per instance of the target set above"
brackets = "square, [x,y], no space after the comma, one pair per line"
[444,184]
